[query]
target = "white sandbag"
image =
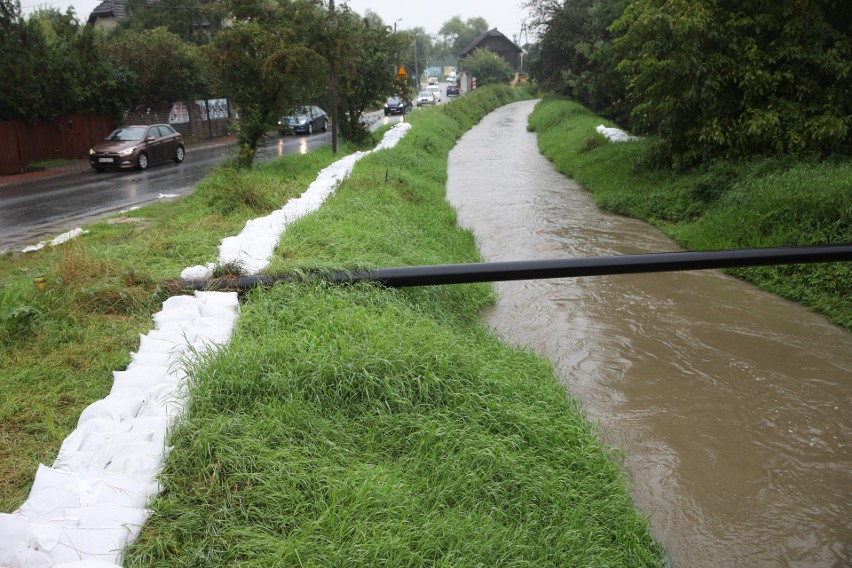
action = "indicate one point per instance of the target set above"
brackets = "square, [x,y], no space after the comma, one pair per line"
[141,460]
[117,406]
[127,491]
[95,440]
[197,272]
[107,515]
[185,329]
[212,334]
[179,302]
[228,300]
[153,359]
[181,314]
[157,341]
[19,555]
[75,439]
[143,378]
[159,426]
[49,503]
[78,543]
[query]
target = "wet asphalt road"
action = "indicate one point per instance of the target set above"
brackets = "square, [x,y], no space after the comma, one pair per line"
[37,209]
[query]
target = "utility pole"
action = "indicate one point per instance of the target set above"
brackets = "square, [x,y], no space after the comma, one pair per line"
[332,87]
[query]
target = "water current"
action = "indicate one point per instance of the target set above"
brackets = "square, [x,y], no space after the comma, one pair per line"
[730,405]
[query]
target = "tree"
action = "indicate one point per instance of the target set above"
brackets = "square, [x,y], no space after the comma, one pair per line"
[575,56]
[194,21]
[268,61]
[364,55]
[725,78]
[488,68]
[459,34]
[164,68]
[72,74]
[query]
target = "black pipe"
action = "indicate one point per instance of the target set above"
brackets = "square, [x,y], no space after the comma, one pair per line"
[556,268]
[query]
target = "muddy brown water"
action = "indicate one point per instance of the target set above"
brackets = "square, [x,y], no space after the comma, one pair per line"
[730,405]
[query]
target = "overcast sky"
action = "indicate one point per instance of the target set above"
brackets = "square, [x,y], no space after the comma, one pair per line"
[505,15]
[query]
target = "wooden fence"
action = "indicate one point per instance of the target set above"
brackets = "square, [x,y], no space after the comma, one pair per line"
[71,136]
[67,137]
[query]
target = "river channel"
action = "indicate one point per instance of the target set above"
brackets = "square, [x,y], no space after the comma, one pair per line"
[730,406]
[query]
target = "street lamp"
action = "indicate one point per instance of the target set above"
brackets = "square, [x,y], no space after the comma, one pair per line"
[416,73]
[397,53]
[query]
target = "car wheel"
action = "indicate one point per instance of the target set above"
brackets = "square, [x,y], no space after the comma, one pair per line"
[180,154]
[310,128]
[325,125]
[142,162]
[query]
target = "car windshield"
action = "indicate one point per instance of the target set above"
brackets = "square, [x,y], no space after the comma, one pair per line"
[127,134]
[393,101]
[425,93]
[298,111]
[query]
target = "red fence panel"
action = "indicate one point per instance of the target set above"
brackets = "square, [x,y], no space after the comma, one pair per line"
[68,137]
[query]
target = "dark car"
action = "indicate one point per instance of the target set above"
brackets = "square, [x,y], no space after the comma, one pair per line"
[305,119]
[137,146]
[452,90]
[396,105]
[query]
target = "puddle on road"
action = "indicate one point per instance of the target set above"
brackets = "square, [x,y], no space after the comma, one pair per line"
[731,405]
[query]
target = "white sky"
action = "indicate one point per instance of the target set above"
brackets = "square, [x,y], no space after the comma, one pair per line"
[505,15]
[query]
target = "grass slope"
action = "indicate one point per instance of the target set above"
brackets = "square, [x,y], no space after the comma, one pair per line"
[363,426]
[760,203]
[58,348]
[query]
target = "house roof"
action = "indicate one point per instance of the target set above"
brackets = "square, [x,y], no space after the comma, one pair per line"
[481,37]
[108,9]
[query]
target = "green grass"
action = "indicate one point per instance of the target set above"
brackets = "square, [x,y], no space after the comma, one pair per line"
[101,291]
[353,425]
[365,426]
[759,203]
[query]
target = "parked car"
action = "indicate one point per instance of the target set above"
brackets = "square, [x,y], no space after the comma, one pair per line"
[452,90]
[137,146]
[305,119]
[396,105]
[425,98]
[436,92]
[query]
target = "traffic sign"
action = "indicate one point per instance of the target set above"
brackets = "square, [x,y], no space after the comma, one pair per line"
[401,74]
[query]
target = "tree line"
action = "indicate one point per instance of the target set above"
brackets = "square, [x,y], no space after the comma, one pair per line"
[711,78]
[266,56]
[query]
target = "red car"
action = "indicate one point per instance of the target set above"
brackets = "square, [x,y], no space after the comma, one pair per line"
[137,147]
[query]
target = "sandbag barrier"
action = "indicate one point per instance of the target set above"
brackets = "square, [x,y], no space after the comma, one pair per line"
[85,509]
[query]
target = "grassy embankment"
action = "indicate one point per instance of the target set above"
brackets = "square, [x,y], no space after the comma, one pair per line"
[58,348]
[362,426]
[758,203]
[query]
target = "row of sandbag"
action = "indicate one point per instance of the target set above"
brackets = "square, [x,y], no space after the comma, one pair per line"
[90,504]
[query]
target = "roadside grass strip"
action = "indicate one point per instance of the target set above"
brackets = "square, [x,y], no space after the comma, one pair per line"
[363,426]
[86,508]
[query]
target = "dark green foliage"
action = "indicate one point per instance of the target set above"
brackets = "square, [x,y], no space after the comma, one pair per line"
[575,56]
[488,68]
[164,67]
[194,21]
[732,79]
[52,65]
[711,79]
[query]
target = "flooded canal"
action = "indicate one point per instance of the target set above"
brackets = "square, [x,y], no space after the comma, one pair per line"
[731,406]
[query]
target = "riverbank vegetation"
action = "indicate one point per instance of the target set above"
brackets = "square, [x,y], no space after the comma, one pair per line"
[758,202]
[351,425]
